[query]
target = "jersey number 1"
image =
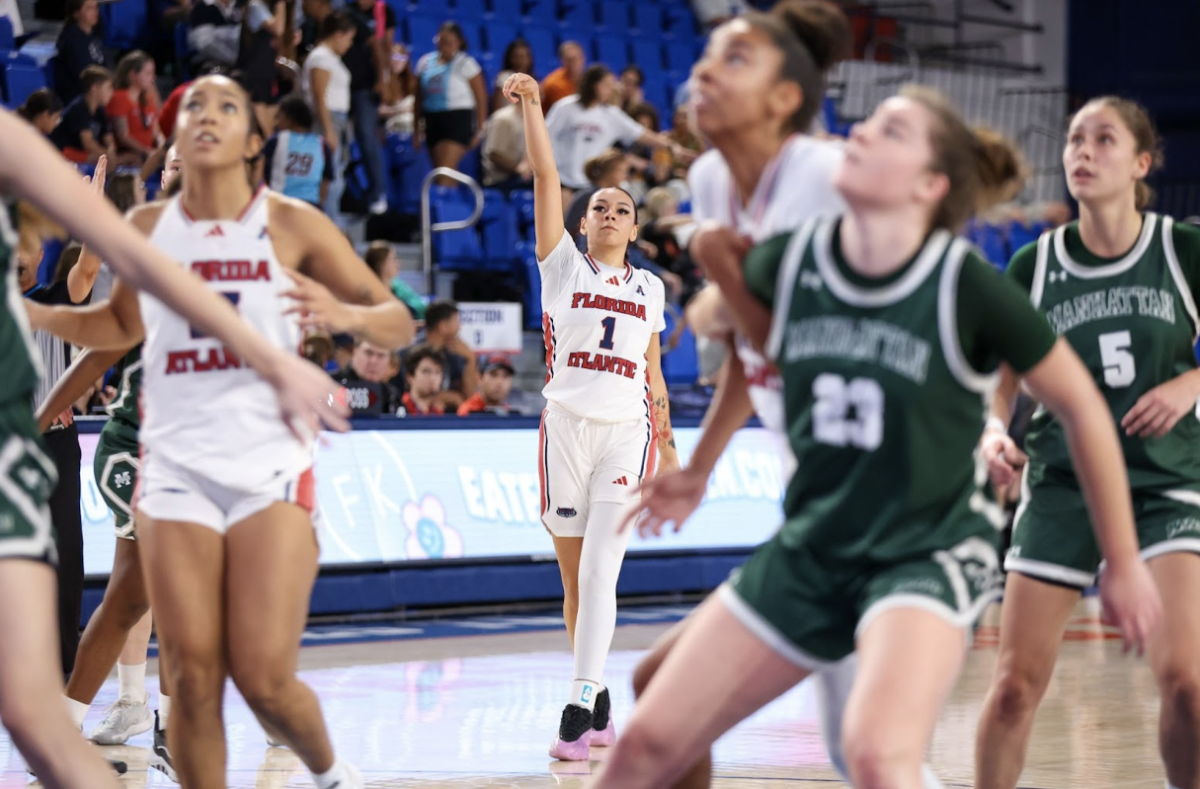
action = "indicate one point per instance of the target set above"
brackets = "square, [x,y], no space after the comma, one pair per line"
[610,325]
[1119,370]
[848,413]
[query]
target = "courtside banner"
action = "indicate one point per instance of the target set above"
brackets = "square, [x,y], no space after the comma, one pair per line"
[430,494]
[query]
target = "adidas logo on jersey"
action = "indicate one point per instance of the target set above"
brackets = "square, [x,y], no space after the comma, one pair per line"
[1057,276]
[613,281]
[216,232]
[621,481]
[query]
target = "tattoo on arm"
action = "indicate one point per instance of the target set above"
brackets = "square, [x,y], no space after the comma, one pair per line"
[662,417]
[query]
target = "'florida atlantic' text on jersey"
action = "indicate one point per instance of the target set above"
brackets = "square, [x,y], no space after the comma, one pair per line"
[599,322]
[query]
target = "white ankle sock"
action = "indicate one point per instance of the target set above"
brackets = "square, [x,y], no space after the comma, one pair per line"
[1171,785]
[164,710]
[584,693]
[133,682]
[335,776]
[77,710]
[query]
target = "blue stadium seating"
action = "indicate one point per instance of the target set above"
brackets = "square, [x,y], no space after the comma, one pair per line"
[545,49]
[7,39]
[406,168]
[578,14]
[471,9]
[1019,235]
[507,9]
[647,54]
[522,202]
[498,228]
[680,55]
[611,50]
[498,34]
[422,29]
[472,163]
[182,50]
[615,18]
[527,254]
[21,79]
[680,365]
[454,250]
[125,24]
[647,19]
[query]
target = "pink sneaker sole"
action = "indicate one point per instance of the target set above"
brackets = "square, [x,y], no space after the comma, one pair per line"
[606,738]
[577,751]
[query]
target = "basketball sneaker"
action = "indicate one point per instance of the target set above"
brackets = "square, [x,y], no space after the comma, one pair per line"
[574,735]
[124,719]
[161,760]
[604,732]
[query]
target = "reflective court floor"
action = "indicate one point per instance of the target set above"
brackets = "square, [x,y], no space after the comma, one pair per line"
[423,706]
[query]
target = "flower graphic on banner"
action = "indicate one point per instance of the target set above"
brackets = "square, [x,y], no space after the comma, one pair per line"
[429,536]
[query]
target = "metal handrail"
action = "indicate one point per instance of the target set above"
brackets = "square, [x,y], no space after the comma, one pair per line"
[427,226]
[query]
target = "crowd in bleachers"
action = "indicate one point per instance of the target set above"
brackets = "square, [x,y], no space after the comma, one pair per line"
[359,100]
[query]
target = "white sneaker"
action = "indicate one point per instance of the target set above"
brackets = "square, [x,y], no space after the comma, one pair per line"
[124,719]
[380,206]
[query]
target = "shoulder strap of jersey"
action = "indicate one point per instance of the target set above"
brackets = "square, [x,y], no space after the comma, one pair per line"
[1181,283]
[785,285]
[1038,287]
[972,380]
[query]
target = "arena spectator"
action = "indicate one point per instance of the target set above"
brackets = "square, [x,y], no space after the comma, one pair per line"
[629,93]
[495,384]
[425,381]
[216,34]
[518,59]
[42,110]
[85,134]
[565,80]
[315,12]
[133,108]
[79,46]
[451,107]
[584,125]
[170,109]
[505,165]
[459,366]
[318,349]
[296,160]
[681,132]
[367,60]
[263,25]
[381,257]
[369,364]
[327,87]
[398,106]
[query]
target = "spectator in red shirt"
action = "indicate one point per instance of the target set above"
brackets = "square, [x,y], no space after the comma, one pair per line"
[133,108]
[495,384]
[170,109]
[424,367]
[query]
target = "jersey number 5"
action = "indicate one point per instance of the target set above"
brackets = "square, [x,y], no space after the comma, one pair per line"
[1119,371]
[848,413]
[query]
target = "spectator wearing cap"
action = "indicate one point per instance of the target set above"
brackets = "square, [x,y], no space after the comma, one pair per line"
[423,364]
[495,384]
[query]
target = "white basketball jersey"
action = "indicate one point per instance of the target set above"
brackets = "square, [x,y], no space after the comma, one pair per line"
[795,186]
[598,321]
[203,408]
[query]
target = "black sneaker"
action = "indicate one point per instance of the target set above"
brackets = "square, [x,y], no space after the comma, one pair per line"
[604,733]
[161,760]
[574,735]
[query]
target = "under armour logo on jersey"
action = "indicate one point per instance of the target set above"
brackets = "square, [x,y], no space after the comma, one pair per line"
[810,280]
[613,281]
[1057,276]
[621,481]
[215,232]
[640,291]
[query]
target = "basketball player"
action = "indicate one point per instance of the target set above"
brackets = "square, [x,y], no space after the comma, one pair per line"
[607,415]
[884,328]
[755,93]
[119,629]
[30,675]
[1121,286]
[226,490]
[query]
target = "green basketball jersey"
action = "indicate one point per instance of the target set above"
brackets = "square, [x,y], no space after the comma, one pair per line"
[1133,322]
[885,402]
[125,406]
[19,356]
